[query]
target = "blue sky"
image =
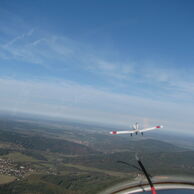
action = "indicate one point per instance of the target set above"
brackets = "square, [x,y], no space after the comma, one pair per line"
[114,62]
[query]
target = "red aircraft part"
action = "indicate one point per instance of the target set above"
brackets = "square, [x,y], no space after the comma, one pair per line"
[153,190]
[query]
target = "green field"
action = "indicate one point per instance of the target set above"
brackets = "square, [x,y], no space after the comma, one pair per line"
[19,157]
[6,179]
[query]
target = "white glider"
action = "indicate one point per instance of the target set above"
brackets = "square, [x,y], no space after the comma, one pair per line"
[136,130]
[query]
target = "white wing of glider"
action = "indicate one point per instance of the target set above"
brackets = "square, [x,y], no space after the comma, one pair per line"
[122,132]
[152,128]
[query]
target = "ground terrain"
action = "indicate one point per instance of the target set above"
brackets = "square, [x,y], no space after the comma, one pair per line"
[48,156]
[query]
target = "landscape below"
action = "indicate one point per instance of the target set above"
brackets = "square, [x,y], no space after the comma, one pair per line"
[47,156]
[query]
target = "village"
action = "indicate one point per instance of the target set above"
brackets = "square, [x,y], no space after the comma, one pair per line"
[11,168]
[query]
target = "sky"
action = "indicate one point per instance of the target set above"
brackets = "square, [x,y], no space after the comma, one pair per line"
[105,61]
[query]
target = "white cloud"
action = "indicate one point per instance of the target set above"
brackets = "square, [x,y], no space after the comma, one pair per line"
[53,51]
[71,100]
[43,50]
[59,52]
[175,82]
[115,70]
